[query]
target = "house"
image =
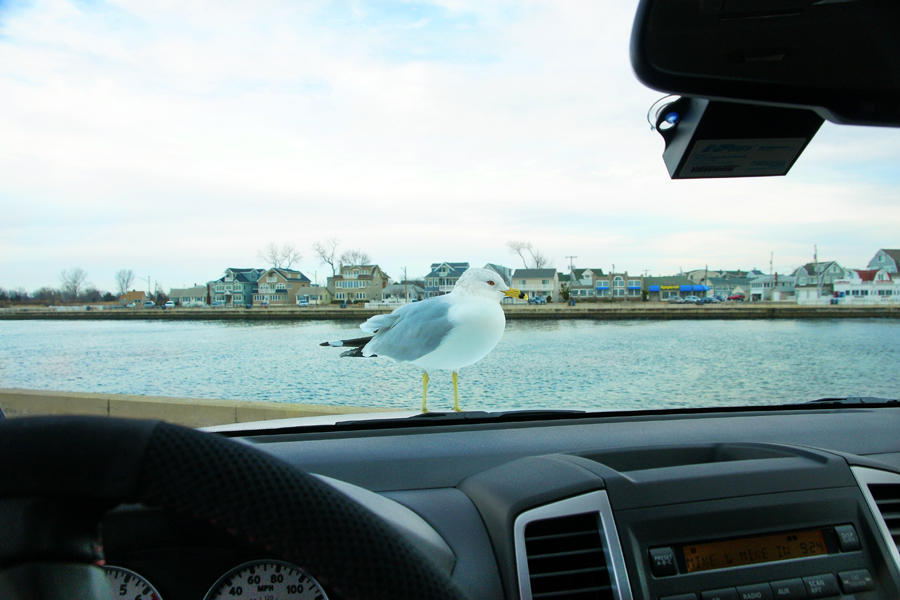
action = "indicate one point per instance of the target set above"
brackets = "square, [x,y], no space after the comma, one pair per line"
[771,287]
[283,287]
[582,282]
[886,259]
[619,286]
[403,292]
[731,285]
[814,281]
[665,287]
[236,288]
[358,283]
[136,296]
[314,295]
[542,283]
[443,276]
[868,286]
[196,295]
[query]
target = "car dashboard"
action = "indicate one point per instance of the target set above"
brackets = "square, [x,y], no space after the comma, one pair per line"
[751,504]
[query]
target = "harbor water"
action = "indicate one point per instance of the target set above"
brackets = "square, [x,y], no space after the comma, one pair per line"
[593,365]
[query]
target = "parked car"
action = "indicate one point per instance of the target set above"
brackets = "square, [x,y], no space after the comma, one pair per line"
[169,304]
[149,304]
[736,297]
[692,299]
[537,300]
[676,300]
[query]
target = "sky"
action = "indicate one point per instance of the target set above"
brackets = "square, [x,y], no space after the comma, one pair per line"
[179,138]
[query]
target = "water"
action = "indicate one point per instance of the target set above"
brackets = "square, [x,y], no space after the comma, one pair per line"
[543,364]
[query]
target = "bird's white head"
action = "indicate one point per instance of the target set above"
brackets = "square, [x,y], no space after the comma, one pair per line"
[486,283]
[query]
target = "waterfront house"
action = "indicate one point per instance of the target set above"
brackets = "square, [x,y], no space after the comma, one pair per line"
[136,296]
[358,283]
[814,282]
[774,288]
[236,287]
[401,293]
[867,286]
[542,283]
[314,295]
[619,286]
[886,259]
[582,282]
[442,277]
[196,295]
[281,287]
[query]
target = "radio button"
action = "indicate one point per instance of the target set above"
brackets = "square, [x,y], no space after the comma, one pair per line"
[859,580]
[788,589]
[847,538]
[821,586]
[662,562]
[757,591]
[723,594]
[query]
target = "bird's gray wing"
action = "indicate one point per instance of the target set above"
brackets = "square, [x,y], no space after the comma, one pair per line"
[411,331]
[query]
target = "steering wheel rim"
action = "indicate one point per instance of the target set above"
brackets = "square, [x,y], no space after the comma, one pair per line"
[252,495]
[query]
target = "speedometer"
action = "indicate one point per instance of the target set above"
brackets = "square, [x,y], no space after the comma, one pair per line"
[125,583]
[266,580]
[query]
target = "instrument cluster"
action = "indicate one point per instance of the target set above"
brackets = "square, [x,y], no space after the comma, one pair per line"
[263,579]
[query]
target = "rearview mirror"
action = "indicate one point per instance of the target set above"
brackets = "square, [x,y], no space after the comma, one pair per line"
[840,58]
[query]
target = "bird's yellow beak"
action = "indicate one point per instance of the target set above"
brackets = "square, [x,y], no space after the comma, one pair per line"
[514,293]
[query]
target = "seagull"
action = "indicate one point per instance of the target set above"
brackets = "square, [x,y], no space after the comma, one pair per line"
[442,332]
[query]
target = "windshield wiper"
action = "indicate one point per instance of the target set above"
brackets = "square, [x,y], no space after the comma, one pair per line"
[855,401]
[468,416]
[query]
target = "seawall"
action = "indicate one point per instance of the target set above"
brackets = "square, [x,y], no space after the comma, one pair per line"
[191,412]
[596,311]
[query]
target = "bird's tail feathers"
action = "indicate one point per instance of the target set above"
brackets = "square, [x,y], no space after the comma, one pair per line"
[356,346]
[355,342]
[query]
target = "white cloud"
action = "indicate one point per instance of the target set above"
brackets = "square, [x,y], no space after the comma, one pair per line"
[209,131]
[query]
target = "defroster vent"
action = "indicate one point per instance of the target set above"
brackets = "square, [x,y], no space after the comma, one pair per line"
[887,498]
[565,558]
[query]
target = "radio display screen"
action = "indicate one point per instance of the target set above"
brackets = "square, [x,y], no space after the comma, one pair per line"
[750,550]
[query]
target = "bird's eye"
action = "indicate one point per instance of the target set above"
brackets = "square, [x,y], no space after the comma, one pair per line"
[490,282]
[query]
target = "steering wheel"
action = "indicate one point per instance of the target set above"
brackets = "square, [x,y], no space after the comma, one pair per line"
[99,462]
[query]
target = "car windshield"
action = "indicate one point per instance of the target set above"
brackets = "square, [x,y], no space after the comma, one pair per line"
[196,197]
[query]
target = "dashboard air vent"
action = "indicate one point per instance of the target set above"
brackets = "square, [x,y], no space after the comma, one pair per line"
[887,497]
[565,558]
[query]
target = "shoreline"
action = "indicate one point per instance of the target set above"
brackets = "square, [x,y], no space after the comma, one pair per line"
[595,311]
[190,412]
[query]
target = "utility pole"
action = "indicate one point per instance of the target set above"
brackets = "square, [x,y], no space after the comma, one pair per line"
[571,264]
[816,272]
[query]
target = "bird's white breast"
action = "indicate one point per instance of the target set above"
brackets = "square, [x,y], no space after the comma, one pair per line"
[477,327]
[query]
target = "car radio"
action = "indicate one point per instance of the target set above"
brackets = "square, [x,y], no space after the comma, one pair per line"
[802,531]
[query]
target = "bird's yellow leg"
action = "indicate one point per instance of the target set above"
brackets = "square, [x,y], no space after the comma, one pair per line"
[455,393]
[424,391]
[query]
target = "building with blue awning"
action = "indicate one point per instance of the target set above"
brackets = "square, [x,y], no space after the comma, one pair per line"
[662,289]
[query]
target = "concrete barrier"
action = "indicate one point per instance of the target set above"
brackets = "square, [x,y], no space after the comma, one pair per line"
[192,412]
[603,311]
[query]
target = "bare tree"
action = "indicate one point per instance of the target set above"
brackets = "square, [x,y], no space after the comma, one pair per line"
[519,248]
[124,279]
[281,256]
[73,282]
[532,258]
[355,257]
[538,259]
[327,253]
